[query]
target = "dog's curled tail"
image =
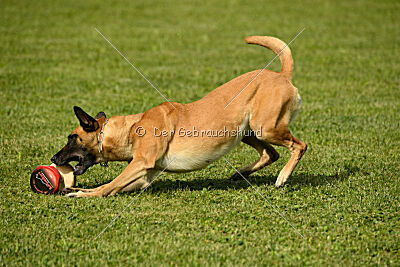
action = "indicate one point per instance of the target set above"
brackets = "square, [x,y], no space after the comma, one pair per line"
[279,47]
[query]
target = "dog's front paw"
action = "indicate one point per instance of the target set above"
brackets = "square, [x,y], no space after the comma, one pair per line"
[75,194]
[65,191]
[85,194]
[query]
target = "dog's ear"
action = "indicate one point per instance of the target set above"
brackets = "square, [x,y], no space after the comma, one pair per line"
[88,123]
[100,115]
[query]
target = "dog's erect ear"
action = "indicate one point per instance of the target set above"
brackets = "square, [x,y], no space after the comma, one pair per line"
[88,123]
[100,115]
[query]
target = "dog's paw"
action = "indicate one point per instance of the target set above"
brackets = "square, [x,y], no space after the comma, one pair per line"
[239,176]
[75,194]
[65,191]
[280,183]
[84,194]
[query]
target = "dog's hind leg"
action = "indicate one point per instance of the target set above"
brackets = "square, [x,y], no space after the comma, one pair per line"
[297,149]
[268,155]
[282,137]
[272,114]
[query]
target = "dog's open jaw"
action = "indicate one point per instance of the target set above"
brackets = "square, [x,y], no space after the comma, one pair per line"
[84,163]
[79,167]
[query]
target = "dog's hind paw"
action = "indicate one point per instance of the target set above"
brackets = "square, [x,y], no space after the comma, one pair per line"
[239,176]
[280,183]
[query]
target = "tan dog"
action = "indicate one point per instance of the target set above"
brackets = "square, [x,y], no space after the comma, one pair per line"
[177,137]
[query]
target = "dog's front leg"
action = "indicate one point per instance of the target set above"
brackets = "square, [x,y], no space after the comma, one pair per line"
[136,170]
[143,182]
[76,189]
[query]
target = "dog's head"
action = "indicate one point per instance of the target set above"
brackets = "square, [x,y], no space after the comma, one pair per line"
[82,142]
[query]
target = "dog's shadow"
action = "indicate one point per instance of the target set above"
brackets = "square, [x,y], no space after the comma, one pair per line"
[302,180]
[296,180]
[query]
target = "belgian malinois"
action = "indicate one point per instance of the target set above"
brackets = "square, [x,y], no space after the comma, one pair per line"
[255,108]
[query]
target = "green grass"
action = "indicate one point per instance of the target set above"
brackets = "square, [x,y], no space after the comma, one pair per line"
[343,197]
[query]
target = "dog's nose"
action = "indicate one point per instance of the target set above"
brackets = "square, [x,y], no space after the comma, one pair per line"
[53,159]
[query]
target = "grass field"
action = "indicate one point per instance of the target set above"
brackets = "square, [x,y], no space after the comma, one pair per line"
[344,196]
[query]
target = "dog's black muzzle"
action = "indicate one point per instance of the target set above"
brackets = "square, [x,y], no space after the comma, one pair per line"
[84,159]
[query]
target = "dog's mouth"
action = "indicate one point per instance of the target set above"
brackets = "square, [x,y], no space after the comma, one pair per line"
[79,167]
[84,159]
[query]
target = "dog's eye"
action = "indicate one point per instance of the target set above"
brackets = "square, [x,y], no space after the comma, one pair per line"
[72,137]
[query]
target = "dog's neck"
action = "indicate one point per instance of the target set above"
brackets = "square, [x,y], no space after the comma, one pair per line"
[117,144]
[100,137]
